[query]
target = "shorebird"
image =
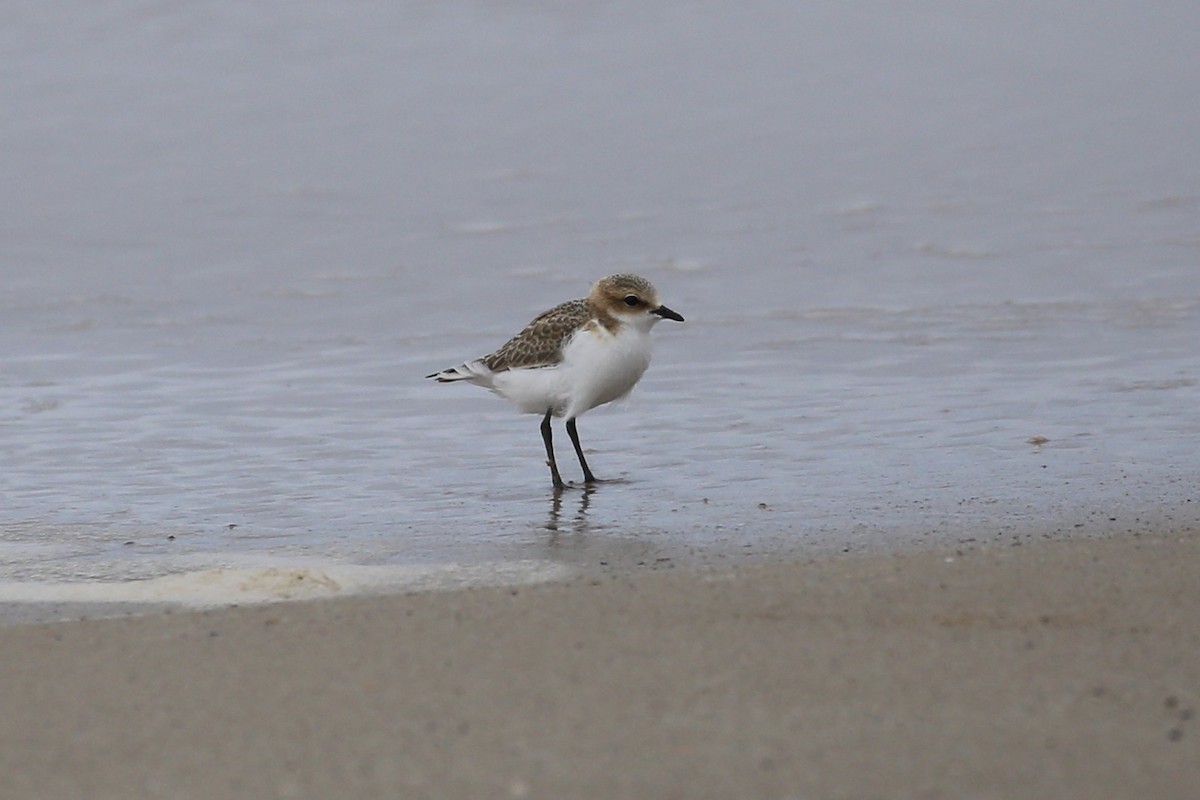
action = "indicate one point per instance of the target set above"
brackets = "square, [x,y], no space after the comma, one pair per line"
[576,356]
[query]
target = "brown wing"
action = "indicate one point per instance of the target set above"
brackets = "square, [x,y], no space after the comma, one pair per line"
[540,344]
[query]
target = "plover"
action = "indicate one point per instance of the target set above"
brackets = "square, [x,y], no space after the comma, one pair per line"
[574,357]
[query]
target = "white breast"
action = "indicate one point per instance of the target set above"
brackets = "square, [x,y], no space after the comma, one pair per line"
[600,366]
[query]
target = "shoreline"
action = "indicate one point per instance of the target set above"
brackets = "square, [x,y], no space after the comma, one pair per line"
[1059,668]
[200,581]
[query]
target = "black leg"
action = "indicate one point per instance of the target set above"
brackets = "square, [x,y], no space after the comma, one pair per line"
[548,438]
[588,477]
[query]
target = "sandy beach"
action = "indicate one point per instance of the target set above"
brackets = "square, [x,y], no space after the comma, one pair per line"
[1058,669]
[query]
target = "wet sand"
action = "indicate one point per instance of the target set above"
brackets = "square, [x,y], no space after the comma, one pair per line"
[1057,669]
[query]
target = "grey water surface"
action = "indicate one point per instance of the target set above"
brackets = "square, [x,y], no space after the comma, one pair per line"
[940,265]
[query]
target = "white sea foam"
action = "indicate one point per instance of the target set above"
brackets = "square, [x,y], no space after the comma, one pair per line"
[245,585]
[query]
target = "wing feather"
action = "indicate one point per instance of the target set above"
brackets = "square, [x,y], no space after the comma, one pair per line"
[540,344]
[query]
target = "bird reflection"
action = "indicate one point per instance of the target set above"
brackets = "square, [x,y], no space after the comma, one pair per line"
[576,522]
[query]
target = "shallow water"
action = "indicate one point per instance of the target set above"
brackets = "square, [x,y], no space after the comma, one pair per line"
[907,240]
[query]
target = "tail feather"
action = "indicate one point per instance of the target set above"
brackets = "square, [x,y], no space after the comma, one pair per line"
[475,371]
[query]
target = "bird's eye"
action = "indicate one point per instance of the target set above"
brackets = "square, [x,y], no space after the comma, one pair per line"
[631,300]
